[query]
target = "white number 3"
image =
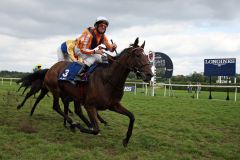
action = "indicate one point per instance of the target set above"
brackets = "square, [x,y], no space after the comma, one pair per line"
[65,73]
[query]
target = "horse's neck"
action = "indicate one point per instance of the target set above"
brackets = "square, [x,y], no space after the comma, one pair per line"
[117,74]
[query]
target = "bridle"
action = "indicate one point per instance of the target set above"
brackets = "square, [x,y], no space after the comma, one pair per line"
[137,70]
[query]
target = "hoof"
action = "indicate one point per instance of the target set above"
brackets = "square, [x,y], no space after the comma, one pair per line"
[106,125]
[91,128]
[125,143]
[19,107]
[95,132]
[73,127]
[31,114]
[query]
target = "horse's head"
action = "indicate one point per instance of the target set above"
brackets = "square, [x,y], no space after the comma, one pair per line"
[137,61]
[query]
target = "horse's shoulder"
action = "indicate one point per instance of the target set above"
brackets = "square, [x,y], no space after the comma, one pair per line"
[102,66]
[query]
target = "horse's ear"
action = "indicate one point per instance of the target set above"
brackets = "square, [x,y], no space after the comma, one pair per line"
[143,44]
[136,42]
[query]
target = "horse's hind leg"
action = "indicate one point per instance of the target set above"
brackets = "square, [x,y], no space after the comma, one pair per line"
[39,98]
[78,111]
[57,108]
[92,114]
[101,119]
[70,111]
[120,109]
[66,109]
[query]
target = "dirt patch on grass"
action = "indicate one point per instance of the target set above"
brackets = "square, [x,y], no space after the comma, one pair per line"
[27,127]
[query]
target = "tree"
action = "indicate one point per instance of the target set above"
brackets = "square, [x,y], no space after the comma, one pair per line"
[197,77]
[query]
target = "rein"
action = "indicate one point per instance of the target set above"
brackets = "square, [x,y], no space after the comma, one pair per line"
[131,68]
[135,69]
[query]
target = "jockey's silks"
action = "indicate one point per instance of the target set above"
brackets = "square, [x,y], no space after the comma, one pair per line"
[84,42]
[68,48]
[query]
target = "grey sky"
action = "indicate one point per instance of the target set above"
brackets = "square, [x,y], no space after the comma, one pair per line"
[188,31]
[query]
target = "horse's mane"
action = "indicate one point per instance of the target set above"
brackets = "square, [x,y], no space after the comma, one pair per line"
[123,52]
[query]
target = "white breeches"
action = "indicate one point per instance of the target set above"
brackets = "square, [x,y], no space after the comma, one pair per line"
[62,57]
[88,59]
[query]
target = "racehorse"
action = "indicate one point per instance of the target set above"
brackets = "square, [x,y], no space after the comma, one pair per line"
[35,81]
[22,85]
[26,83]
[105,86]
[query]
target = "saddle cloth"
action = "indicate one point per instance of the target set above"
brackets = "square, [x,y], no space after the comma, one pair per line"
[70,72]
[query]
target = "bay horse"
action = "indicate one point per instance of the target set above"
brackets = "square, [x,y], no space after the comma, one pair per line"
[105,86]
[35,82]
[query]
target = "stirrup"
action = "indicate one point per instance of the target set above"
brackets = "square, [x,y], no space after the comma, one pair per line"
[81,77]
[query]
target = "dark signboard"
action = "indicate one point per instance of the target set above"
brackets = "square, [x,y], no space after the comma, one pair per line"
[164,65]
[220,67]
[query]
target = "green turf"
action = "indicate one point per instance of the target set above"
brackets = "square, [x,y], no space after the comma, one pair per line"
[176,127]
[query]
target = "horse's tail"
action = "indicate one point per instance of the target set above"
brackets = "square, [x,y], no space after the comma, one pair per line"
[27,80]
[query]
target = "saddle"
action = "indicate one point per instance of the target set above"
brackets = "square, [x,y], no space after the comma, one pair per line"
[71,71]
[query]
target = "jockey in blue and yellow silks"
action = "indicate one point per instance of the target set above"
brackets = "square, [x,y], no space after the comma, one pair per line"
[66,52]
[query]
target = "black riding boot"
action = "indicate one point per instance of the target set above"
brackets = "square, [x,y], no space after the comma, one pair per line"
[81,73]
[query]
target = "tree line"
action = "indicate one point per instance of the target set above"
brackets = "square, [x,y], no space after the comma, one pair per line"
[12,74]
[193,78]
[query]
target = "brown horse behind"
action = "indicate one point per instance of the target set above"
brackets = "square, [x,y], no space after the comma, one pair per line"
[104,89]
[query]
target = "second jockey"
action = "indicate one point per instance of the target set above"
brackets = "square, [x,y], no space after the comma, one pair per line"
[88,42]
[37,68]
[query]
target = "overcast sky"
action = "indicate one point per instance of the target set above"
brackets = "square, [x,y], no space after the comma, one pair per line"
[188,31]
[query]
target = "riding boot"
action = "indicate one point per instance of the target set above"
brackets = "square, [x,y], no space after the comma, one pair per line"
[81,73]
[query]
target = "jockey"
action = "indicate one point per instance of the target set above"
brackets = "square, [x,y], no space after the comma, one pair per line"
[37,68]
[66,52]
[87,44]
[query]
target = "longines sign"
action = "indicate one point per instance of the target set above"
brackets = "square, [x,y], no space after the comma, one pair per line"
[220,67]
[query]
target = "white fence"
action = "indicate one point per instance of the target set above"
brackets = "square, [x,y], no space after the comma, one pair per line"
[199,87]
[145,87]
[8,79]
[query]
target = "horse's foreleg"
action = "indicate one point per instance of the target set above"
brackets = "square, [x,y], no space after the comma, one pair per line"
[39,98]
[24,90]
[19,88]
[78,111]
[29,94]
[120,109]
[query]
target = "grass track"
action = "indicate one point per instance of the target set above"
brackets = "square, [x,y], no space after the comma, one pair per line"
[177,127]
